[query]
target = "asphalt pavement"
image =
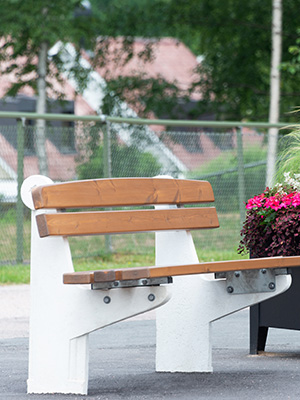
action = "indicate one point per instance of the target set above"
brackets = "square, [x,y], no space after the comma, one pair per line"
[122,360]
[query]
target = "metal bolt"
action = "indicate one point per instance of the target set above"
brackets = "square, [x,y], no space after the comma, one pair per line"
[144,281]
[271,285]
[263,271]
[106,299]
[230,289]
[116,283]
[237,274]
[151,297]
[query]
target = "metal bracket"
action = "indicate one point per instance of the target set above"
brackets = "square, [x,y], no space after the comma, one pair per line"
[132,283]
[251,281]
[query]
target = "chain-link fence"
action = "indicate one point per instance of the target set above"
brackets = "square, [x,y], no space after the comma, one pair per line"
[233,160]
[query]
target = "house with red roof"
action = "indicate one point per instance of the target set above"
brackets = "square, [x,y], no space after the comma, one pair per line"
[170,60]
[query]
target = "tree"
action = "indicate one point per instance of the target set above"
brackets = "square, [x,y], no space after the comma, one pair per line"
[142,18]
[233,38]
[274,90]
[28,30]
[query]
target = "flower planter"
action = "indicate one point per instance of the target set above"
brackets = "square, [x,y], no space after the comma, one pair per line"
[272,228]
[282,311]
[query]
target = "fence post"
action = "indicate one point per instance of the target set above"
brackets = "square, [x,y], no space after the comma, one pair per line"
[107,170]
[20,206]
[241,175]
[106,150]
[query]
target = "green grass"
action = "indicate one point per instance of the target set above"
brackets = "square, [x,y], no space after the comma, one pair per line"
[130,250]
[14,274]
[20,274]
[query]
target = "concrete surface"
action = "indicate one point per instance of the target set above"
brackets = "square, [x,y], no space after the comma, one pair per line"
[122,360]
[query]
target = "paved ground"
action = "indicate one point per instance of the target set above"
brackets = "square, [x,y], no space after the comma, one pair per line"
[122,361]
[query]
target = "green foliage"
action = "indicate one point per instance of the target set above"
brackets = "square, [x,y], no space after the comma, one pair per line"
[234,39]
[222,173]
[141,18]
[126,161]
[293,65]
[25,25]
[289,155]
[149,95]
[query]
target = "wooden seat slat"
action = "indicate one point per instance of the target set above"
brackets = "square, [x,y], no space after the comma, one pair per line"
[122,192]
[90,277]
[112,222]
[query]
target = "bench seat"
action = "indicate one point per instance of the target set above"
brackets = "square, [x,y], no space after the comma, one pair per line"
[101,276]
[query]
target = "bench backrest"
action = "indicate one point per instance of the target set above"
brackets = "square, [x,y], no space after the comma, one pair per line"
[123,192]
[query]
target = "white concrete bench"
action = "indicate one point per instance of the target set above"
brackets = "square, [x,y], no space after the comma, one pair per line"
[66,305]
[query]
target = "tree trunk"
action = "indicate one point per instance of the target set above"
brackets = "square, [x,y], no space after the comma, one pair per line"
[274,90]
[40,140]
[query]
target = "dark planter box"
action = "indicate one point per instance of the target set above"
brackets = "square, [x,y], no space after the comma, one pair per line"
[282,311]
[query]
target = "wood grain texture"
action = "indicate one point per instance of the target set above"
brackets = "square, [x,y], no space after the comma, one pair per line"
[112,222]
[122,192]
[154,272]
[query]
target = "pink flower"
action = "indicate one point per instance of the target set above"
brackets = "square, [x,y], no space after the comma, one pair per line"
[296,200]
[273,202]
[276,202]
[256,201]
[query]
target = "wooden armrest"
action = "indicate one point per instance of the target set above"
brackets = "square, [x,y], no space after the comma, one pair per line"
[90,277]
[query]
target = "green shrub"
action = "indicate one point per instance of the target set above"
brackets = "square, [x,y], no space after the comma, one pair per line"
[125,161]
[223,176]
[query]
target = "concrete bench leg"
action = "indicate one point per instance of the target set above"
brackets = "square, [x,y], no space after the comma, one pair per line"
[60,366]
[61,316]
[184,324]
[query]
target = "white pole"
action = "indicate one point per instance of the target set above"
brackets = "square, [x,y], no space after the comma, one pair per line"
[274,90]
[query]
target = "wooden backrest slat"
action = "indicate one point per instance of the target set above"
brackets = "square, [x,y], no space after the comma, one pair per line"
[110,222]
[122,192]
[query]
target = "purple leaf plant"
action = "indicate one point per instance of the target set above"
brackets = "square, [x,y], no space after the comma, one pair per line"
[272,224]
